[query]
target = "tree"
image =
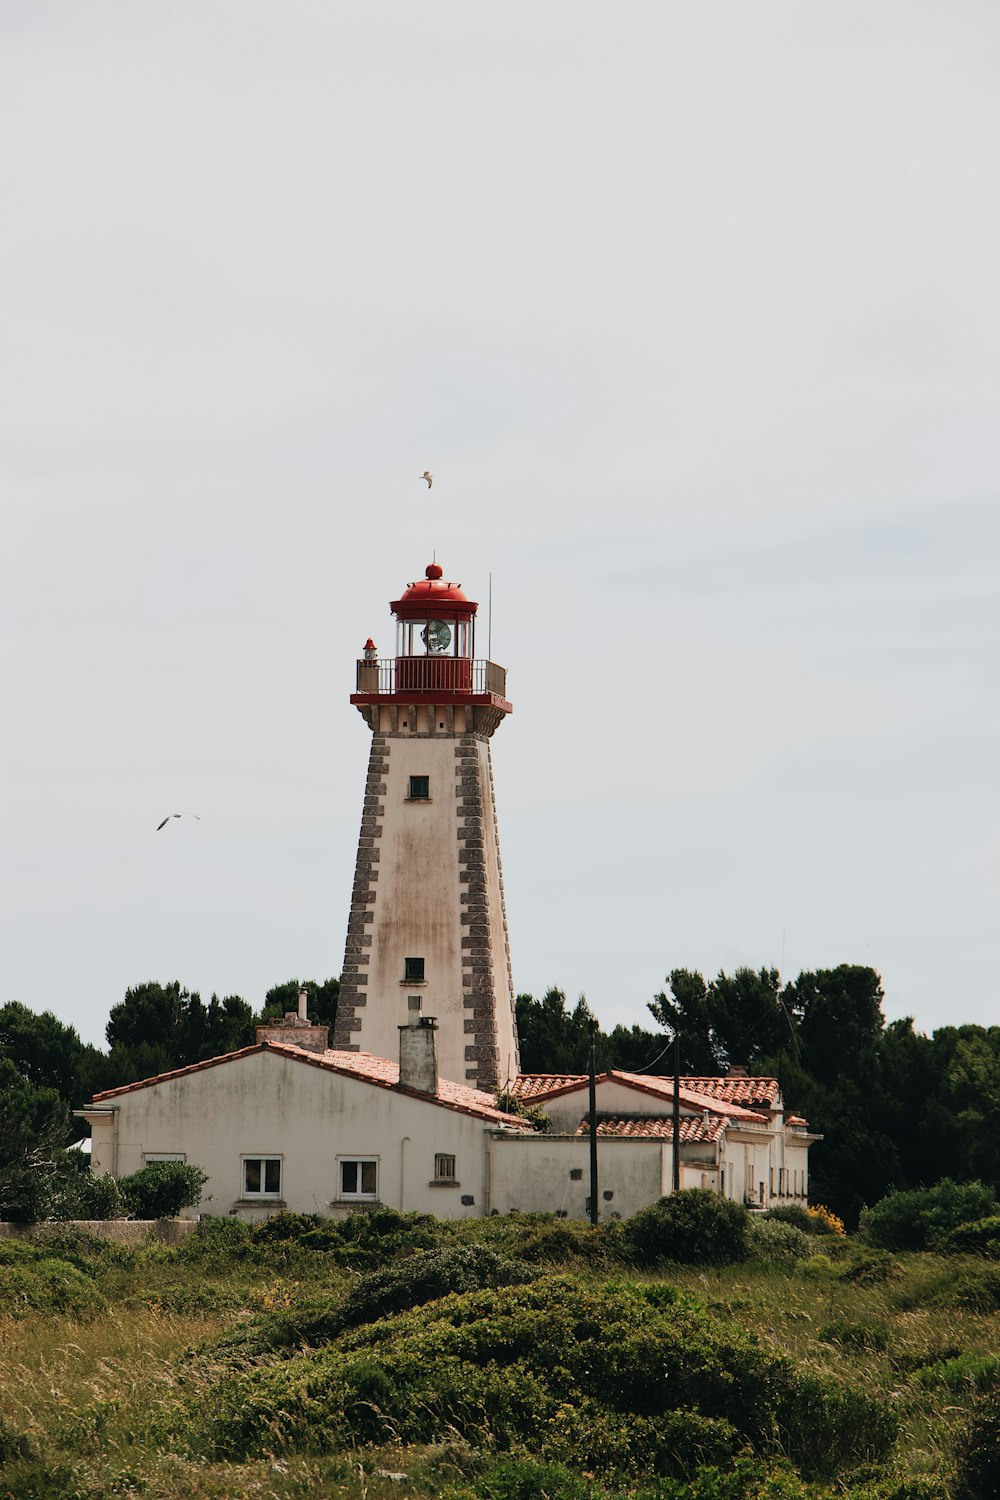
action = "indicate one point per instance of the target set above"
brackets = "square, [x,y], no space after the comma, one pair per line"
[737,1018]
[34,1127]
[840,1019]
[46,1052]
[553,1039]
[157,1028]
[323,998]
[684,1006]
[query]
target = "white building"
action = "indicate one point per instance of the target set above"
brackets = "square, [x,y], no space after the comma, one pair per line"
[293,1123]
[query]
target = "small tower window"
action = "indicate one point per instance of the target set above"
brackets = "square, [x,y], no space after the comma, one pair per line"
[413,971]
[420,789]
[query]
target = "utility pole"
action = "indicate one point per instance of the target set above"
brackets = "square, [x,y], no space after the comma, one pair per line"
[677,1111]
[592,1122]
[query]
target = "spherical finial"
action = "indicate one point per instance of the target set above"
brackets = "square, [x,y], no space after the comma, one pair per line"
[433,570]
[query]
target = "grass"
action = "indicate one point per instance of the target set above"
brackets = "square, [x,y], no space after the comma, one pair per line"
[99,1399]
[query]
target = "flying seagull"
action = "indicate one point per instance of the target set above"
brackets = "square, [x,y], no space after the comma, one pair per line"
[428,476]
[176,815]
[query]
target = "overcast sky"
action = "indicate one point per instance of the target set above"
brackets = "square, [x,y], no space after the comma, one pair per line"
[694,313]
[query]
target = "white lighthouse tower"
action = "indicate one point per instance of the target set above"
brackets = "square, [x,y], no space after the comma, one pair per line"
[428,927]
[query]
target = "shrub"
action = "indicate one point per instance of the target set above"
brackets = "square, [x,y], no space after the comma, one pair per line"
[13,1445]
[790,1213]
[365,1238]
[873,1269]
[427,1275]
[694,1227]
[849,1335]
[83,1196]
[774,1241]
[964,1372]
[977,1453]
[230,1238]
[161,1189]
[826,1428]
[526,1479]
[595,1376]
[823,1220]
[977,1290]
[981,1237]
[47,1285]
[287,1226]
[920,1218]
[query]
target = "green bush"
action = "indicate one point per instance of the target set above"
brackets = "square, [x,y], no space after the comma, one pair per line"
[161,1189]
[872,1269]
[693,1227]
[873,1336]
[981,1237]
[793,1214]
[47,1285]
[526,1479]
[826,1428]
[977,1453]
[288,1226]
[427,1275]
[965,1372]
[13,1445]
[922,1218]
[593,1376]
[774,1241]
[214,1238]
[83,1196]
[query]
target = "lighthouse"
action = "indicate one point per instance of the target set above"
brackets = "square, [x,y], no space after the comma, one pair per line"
[427,933]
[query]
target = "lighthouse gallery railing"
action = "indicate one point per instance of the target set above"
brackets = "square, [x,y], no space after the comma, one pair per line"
[431,674]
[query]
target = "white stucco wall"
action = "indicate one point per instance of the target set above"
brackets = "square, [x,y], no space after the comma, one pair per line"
[536,1175]
[267,1105]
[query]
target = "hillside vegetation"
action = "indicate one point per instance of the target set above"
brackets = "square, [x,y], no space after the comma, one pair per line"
[501,1359]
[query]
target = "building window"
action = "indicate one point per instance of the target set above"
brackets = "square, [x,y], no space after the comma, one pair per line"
[262,1176]
[444,1167]
[413,971]
[420,789]
[359,1178]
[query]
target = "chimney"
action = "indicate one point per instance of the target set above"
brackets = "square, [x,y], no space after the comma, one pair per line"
[738,1070]
[295,1029]
[418,1064]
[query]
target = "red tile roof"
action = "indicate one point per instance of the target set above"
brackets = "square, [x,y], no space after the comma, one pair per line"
[746,1091]
[694,1128]
[539,1087]
[527,1085]
[362,1065]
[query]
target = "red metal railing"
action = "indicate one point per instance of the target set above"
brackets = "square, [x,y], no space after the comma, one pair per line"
[431,674]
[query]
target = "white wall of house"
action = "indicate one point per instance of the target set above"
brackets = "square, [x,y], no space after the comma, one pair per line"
[551,1173]
[265,1106]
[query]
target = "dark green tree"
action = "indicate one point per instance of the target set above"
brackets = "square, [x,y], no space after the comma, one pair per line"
[47,1052]
[552,1038]
[840,1020]
[685,1006]
[323,997]
[34,1128]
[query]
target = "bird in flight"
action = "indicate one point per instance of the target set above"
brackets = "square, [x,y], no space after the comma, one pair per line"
[428,476]
[176,815]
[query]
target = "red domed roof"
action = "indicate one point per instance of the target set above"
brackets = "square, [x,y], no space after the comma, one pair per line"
[432,597]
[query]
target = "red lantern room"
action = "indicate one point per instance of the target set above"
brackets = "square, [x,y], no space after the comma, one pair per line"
[435,636]
[435,657]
